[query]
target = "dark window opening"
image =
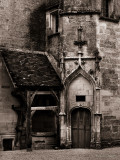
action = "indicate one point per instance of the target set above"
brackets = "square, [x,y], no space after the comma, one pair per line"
[44,100]
[43,121]
[7,144]
[80,98]
[108,8]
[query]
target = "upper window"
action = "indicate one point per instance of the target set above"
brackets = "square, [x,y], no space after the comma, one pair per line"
[108,8]
[54,21]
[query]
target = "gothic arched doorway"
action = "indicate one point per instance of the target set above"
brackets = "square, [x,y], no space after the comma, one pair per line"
[81,128]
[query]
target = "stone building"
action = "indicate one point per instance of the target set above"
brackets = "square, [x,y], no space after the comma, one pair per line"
[59,74]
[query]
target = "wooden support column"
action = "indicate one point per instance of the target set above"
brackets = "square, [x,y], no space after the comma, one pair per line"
[28,123]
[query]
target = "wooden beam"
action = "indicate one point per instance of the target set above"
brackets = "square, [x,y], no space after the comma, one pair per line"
[52,108]
[28,123]
[38,93]
[55,95]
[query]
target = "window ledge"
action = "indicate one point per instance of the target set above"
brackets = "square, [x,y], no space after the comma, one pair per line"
[109,19]
[54,34]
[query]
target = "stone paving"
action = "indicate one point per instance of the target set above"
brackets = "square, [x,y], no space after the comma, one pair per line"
[68,154]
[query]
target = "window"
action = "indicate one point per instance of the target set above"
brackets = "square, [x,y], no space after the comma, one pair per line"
[7,144]
[80,98]
[54,21]
[108,8]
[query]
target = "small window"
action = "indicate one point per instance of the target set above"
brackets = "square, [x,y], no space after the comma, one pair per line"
[108,8]
[80,98]
[7,144]
[54,21]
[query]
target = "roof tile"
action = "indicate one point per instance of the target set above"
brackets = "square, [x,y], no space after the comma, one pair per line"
[30,69]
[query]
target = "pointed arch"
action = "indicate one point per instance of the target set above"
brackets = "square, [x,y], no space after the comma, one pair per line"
[79,71]
[79,107]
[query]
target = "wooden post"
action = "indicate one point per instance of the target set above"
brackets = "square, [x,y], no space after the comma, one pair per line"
[28,123]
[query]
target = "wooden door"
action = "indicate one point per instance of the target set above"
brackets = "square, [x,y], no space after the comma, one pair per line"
[81,128]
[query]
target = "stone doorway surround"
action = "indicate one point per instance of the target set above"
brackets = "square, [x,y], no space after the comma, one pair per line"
[65,114]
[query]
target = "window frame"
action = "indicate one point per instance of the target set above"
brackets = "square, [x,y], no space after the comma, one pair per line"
[108,8]
[54,21]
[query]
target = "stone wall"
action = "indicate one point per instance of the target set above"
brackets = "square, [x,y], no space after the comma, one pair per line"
[72,5]
[8,118]
[70,35]
[22,24]
[109,47]
[53,46]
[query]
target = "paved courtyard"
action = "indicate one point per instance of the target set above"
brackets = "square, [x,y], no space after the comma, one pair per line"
[71,154]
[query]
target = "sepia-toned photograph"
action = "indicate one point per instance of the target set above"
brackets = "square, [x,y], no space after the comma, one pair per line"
[59,79]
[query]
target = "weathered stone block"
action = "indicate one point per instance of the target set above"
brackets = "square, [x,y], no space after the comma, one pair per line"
[109,117]
[106,129]
[115,128]
[106,135]
[115,122]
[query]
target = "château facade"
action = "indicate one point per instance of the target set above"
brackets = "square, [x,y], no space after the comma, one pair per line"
[59,74]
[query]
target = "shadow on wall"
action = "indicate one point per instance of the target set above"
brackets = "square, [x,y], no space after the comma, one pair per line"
[37,27]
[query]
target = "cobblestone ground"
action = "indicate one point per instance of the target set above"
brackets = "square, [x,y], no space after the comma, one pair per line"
[71,154]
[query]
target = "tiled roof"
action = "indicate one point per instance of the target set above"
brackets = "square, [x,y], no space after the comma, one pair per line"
[30,69]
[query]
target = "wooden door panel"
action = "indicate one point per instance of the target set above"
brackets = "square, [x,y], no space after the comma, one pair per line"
[75,138]
[81,128]
[87,141]
[81,138]
[74,124]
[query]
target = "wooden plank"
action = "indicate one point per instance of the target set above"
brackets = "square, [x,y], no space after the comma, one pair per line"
[41,92]
[53,108]
[28,123]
